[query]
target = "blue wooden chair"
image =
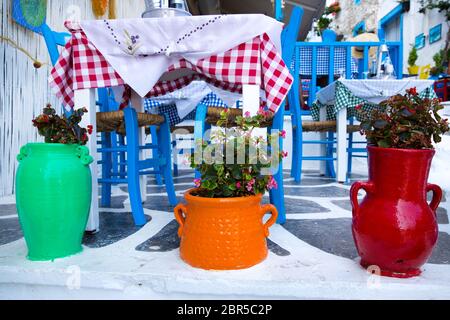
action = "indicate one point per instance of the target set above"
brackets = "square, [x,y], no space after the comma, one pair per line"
[288,39]
[120,157]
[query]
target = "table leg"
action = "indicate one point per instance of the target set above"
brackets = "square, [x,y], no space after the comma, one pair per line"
[138,104]
[86,98]
[341,148]
[323,137]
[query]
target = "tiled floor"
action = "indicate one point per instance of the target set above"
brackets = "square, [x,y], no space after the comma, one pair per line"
[311,255]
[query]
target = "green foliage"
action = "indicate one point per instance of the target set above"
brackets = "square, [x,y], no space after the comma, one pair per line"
[440,5]
[323,23]
[412,58]
[406,122]
[229,165]
[56,129]
[438,59]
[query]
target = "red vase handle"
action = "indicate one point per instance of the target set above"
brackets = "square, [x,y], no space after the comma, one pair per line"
[437,195]
[365,185]
[264,209]
[180,214]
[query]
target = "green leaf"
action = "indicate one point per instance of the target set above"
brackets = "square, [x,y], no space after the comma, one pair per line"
[380,124]
[383,144]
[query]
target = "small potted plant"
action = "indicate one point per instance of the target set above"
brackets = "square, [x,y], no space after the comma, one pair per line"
[394,227]
[412,58]
[53,186]
[221,226]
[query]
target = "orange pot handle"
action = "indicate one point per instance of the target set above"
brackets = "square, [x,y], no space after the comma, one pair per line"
[180,214]
[264,209]
[365,185]
[437,196]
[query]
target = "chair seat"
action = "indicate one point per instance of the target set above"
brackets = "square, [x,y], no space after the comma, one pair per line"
[326,126]
[115,121]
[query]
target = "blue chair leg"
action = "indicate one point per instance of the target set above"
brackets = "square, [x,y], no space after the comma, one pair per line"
[350,154]
[155,152]
[131,128]
[294,162]
[106,170]
[122,160]
[277,195]
[166,154]
[200,127]
[175,158]
[330,172]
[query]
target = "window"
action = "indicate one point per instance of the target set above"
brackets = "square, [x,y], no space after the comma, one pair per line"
[435,33]
[419,42]
[359,28]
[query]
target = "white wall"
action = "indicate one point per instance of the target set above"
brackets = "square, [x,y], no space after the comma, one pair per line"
[23,89]
[415,23]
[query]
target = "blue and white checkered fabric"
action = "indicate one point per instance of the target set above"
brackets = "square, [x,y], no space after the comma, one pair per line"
[323,59]
[154,106]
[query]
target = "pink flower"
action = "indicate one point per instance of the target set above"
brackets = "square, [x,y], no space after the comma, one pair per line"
[197,182]
[284,154]
[283,134]
[238,185]
[262,112]
[250,185]
[272,184]
[247,114]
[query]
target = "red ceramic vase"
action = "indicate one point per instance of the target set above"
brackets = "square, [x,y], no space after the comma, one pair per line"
[394,227]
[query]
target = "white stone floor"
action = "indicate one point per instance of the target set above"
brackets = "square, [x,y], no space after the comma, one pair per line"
[301,263]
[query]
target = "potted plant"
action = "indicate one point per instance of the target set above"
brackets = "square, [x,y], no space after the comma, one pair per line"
[221,226]
[394,227]
[412,58]
[53,186]
[438,68]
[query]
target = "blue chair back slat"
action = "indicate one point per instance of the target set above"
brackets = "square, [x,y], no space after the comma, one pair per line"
[53,39]
[312,91]
[348,62]
[331,65]
[395,49]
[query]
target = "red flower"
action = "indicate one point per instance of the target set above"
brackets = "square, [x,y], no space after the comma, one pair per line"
[358,107]
[89,129]
[412,91]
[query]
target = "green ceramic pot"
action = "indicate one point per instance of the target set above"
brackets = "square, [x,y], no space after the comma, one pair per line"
[53,197]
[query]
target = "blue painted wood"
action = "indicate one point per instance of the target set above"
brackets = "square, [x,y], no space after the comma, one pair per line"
[165,151]
[366,59]
[200,127]
[279,15]
[348,62]
[359,27]
[131,128]
[154,135]
[397,58]
[53,40]
[331,64]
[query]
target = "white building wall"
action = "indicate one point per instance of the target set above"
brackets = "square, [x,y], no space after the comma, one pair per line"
[24,90]
[414,23]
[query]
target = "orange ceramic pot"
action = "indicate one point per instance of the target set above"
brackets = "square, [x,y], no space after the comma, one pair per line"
[223,233]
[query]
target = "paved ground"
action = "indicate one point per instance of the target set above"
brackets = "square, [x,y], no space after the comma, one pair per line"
[311,256]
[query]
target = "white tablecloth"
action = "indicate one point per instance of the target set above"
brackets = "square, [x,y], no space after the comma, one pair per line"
[168,40]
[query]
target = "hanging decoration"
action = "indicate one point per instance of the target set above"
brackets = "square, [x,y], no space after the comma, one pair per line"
[37,64]
[112,9]
[100,7]
[30,13]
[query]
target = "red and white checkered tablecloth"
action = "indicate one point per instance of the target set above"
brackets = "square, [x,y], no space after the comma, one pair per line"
[82,66]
